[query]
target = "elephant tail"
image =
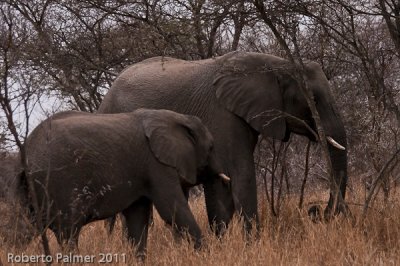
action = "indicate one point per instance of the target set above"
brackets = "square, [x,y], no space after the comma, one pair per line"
[21,187]
[22,192]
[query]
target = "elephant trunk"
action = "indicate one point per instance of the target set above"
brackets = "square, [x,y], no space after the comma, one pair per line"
[338,189]
[336,137]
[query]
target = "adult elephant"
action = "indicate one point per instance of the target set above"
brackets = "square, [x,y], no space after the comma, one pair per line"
[238,96]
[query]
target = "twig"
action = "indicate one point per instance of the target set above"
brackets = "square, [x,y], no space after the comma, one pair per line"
[374,184]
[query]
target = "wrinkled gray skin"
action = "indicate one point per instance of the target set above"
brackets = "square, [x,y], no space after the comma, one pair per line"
[237,96]
[94,166]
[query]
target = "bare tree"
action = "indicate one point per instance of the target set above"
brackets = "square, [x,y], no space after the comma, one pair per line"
[16,92]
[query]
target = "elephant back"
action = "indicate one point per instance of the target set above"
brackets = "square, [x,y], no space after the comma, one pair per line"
[160,83]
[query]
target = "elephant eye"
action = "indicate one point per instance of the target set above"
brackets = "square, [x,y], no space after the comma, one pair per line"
[191,135]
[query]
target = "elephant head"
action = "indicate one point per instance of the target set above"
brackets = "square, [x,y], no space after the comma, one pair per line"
[262,89]
[183,143]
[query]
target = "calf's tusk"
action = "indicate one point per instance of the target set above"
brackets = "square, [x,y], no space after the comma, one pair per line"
[224,177]
[334,143]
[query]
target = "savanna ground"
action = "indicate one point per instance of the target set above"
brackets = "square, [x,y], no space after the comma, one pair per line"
[290,239]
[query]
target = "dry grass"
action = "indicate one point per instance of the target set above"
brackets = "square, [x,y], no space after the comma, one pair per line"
[291,239]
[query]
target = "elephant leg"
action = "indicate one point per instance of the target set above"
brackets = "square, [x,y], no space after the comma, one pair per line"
[175,230]
[336,202]
[174,209]
[67,239]
[109,223]
[219,203]
[137,217]
[244,191]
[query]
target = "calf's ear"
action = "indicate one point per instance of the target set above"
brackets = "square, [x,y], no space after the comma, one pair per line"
[172,144]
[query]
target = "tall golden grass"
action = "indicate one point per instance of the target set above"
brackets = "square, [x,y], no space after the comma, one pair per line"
[290,239]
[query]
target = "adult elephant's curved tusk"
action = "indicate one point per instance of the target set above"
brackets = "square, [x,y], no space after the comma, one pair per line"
[224,177]
[334,143]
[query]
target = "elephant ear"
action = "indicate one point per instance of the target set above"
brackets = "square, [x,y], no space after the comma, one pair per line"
[248,87]
[173,143]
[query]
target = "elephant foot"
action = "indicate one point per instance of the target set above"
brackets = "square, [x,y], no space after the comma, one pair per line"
[341,208]
[198,244]
[141,256]
[251,230]
[315,213]
[219,229]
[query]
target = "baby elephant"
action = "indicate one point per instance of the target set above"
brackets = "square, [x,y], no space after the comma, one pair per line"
[86,167]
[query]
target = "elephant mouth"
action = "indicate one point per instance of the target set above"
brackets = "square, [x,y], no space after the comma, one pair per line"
[313,136]
[302,127]
[312,133]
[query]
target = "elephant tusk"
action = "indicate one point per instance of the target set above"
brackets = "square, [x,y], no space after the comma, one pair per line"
[334,143]
[224,177]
